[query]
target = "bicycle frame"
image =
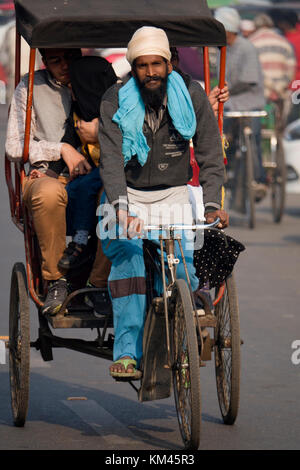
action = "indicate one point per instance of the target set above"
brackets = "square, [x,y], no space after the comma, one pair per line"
[167,245]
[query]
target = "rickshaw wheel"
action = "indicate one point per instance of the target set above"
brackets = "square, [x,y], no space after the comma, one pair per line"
[227,352]
[19,344]
[278,183]
[185,366]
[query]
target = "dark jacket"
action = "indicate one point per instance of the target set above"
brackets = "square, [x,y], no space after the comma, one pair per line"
[168,162]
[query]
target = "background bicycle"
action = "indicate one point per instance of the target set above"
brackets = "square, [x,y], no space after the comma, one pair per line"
[244,166]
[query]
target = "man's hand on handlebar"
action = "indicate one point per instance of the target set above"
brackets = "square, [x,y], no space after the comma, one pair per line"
[133,226]
[221,214]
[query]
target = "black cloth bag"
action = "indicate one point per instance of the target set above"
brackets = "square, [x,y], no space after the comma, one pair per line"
[215,261]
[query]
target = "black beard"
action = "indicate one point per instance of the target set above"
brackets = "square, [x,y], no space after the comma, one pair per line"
[153,98]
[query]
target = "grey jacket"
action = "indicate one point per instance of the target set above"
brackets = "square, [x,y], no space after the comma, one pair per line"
[168,162]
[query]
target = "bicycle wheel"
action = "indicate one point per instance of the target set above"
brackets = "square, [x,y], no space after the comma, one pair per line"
[19,344]
[186,369]
[249,178]
[278,183]
[227,352]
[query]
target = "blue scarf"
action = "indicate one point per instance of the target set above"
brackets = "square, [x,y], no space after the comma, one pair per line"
[131,114]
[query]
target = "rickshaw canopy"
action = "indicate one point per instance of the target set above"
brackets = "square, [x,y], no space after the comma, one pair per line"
[111,23]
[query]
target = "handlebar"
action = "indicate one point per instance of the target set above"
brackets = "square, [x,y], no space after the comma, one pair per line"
[173,227]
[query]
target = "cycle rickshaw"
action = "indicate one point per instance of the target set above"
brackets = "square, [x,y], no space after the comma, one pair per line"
[173,316]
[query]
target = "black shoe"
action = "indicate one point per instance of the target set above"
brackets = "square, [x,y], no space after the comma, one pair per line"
[57,292]
[99,301]
[74,256]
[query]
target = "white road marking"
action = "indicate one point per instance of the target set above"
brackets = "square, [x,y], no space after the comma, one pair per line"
[115,434]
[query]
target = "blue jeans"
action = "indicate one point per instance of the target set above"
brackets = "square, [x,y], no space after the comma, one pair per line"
[127,288]
[82,202]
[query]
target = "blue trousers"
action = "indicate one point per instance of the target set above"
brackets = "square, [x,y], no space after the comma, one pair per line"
[127,288]
[82,202]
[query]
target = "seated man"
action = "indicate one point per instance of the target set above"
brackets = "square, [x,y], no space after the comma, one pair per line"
[144,132]
[45,197]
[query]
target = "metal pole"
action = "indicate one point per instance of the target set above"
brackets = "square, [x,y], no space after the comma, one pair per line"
[166,310]
[221,85]
[206,69]
[18,59]
[29,105]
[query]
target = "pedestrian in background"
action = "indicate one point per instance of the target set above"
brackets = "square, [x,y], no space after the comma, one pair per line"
[288,23]
[276,56]
[247,28]
[246,86]
[278,63]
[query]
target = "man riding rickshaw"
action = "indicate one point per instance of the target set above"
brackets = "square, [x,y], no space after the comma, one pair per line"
[146,128]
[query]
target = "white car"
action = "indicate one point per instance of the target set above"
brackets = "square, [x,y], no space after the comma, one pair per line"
[291,145]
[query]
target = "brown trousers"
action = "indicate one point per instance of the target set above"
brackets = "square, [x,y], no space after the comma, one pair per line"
[46,199]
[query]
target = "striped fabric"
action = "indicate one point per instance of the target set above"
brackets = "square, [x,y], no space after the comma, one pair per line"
[277,59]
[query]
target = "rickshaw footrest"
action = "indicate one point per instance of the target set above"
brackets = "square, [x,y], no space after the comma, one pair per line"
[208,320]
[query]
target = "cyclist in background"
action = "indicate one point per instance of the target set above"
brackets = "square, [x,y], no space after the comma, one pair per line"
[246,88]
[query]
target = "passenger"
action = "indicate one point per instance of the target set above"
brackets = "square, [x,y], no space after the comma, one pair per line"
[90,78]
[153,108]
[44,196]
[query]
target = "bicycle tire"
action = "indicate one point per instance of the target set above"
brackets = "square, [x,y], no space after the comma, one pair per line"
[19,344]
[185,366]
[278,183]
[227,345]
[249,178]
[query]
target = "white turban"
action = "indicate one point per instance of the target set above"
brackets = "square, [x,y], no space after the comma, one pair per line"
[230,19]
[148,40]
